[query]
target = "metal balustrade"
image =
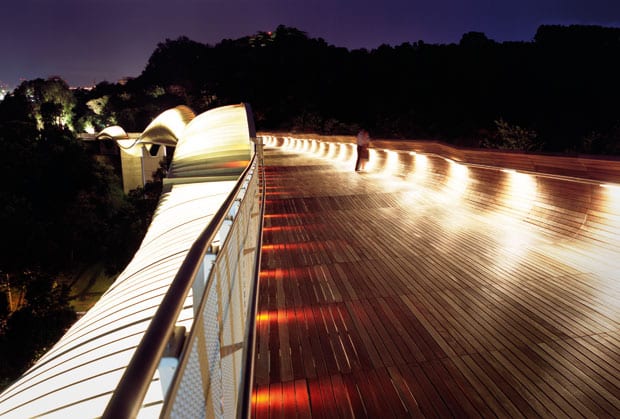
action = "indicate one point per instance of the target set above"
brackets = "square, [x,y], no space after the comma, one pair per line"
[209,377]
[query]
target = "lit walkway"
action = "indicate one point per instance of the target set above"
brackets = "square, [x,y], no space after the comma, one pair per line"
[381,300]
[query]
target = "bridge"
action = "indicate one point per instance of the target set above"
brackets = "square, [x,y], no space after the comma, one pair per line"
[441,282]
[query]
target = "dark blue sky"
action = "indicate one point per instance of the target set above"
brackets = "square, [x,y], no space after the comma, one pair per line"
[86,41]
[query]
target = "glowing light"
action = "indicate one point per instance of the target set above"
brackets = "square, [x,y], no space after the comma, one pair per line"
[325,149]
[211,141]
[284,315]
[277,194]
[457,181]
[342,152]
[264,316]
[391,163]
[280,228]
[513,240]
[373,156]
[261,398]
[285,215]
[168,127]
[331,152]
[420,167]
[315,147]
[113,132]
[521,191]
[612,199]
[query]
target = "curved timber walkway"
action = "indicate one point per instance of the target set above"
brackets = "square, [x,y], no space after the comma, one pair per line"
[380,298]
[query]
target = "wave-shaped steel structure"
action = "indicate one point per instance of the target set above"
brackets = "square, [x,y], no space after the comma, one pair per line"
[79,375]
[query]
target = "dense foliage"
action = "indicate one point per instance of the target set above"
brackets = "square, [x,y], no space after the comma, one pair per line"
[61,210]
[560,90]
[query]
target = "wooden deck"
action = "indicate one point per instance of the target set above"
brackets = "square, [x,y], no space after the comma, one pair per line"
[379,297]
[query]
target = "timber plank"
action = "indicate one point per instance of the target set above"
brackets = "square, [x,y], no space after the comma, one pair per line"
[412,351]
[431,402]
[302,399]
[477,380]
[518,404]
[370,395]
[555,389]
[466,390]
[372,339]
[602,402]
[390,399]
[337,339]
[385,331]
[439,335]
[589,361]
[354,396]
[319,362]
[378,299]
[358,353]
[275,401]
[328,397]
[453,396]
[540,396]
[324,349]
[342,400]
[260,402]
[404,393]
[289,408]
[317,405]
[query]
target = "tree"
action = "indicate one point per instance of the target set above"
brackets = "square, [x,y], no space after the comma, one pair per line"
[34,327]
[512,137]
[53,91]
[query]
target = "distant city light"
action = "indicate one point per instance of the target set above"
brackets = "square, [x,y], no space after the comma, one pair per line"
[4,90]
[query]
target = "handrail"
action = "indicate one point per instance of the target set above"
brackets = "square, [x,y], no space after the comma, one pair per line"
[244,407]
[127,399]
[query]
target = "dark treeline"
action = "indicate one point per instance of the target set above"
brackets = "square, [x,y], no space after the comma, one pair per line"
[62,211]
[557,93]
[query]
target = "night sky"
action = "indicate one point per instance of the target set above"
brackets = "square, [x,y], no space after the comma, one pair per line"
[88,41]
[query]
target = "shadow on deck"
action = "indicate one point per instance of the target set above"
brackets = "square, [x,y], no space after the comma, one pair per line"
[422,290]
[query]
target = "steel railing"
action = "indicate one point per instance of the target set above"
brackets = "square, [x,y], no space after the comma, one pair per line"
[212,374]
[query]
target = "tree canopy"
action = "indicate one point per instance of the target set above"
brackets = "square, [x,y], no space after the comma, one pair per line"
[61,210]
[561,86]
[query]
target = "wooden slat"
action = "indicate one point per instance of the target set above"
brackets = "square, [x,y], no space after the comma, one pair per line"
[380,297]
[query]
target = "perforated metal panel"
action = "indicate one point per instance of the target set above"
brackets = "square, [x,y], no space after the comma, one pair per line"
[218,340]
[190,401]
